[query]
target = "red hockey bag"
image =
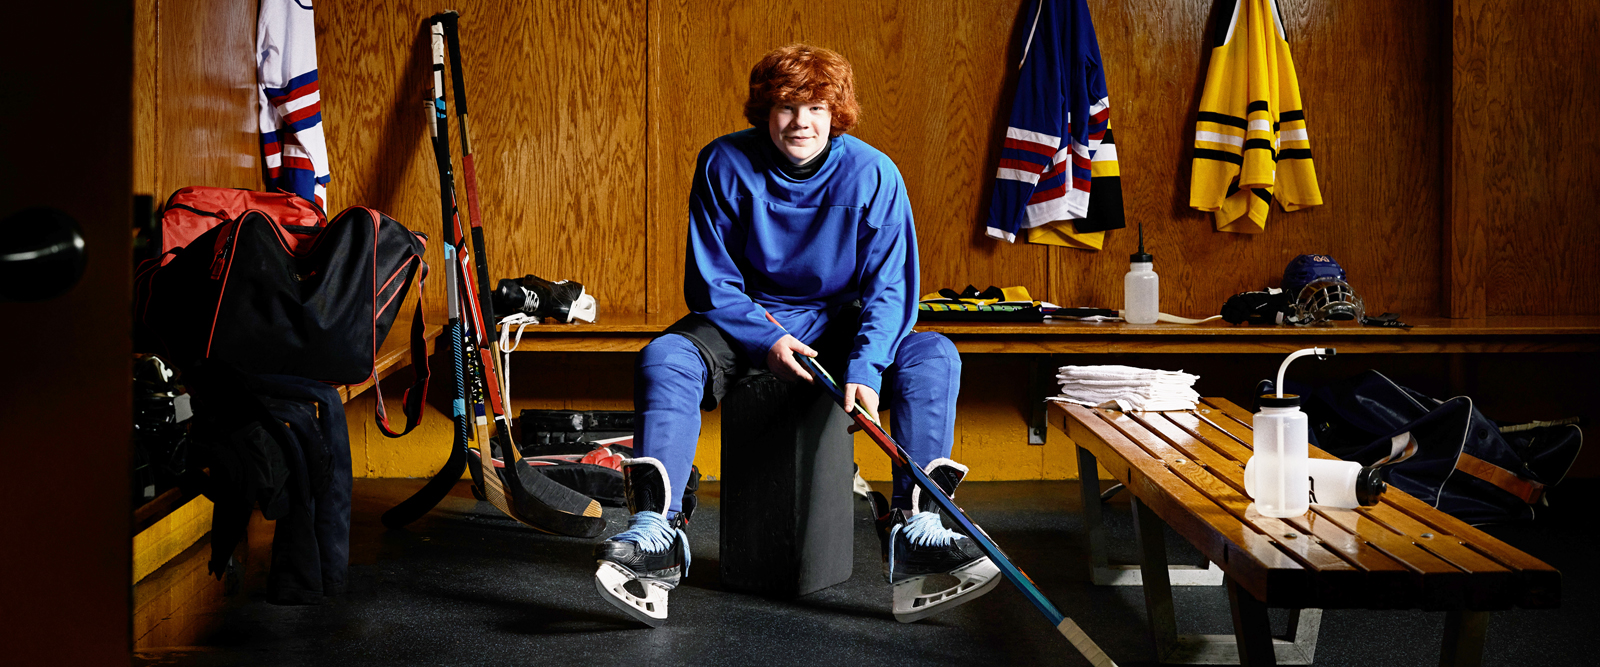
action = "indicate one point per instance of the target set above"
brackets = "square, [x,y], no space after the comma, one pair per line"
[274,299]
[193,211]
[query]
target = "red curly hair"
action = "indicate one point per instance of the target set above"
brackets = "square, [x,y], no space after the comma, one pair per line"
[803,73]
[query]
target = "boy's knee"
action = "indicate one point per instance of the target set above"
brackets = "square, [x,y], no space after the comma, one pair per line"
[924,346]
[671,353]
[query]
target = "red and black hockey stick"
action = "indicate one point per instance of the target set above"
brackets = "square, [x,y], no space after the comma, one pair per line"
[868,423]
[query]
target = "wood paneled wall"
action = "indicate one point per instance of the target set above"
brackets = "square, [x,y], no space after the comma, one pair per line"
[1525,159]
[194,96]
[556,91]
[1450,142]
[587,120]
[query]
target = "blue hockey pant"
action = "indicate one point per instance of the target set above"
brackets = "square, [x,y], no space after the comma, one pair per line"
[670,388]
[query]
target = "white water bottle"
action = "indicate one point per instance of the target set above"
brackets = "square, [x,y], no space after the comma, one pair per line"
[1141,287]
[1281,475]
[1333,483]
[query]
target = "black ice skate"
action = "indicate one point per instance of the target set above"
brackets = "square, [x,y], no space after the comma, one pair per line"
[921,554]
[640,565]
[531,295]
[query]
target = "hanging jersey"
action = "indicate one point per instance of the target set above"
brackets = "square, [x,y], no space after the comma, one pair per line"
[294,152]
[1058,118]
[1251,146]
[1105,206]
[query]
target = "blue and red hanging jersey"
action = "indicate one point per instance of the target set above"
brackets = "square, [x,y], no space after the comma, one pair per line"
[293,150]
[1058,118]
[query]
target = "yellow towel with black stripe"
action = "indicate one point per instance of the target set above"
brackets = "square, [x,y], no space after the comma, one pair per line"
[1250,145]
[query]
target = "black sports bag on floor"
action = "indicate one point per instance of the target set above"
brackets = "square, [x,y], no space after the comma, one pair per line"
[247,293]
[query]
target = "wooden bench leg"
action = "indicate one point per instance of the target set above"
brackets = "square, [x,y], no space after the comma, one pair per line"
[1252,634]
[1102,572]
[1251,629]
[1044,384]
[1463,638]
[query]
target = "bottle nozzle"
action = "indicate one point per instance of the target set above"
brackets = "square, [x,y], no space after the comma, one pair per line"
[1321,352]
[1141,256]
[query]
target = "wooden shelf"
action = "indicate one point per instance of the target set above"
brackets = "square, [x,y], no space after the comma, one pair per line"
[625,333]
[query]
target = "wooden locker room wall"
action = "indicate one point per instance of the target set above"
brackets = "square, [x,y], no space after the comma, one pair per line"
[556,91]
[194,96]
[1525,160]
[587,120]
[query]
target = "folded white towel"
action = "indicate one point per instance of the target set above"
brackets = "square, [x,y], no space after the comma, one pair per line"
[1142,388]
[1115,372]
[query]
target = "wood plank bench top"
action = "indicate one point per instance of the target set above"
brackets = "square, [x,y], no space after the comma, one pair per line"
[1188,467]
[630,333]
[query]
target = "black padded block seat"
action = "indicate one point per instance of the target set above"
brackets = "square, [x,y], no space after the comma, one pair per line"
[786,488]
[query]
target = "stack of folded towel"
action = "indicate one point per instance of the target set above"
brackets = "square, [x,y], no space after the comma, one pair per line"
[1138,388]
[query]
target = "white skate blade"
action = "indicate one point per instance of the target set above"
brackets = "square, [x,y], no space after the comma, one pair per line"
[972,581]
[651,609]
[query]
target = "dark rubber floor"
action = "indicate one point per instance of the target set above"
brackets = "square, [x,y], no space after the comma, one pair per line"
[466,586]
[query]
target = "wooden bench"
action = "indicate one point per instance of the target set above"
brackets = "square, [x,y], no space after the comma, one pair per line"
[1435,335]
[630,333]
[1185,469]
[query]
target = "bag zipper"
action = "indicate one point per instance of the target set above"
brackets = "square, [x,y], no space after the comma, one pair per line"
[218,266]
[213,214]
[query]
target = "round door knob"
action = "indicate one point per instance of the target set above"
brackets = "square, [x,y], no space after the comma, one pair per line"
[41,254]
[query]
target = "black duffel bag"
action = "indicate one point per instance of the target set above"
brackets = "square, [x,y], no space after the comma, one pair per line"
[262,297]
[1464,464]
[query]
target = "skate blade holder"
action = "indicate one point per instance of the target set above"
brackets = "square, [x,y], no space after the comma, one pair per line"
[651,609]
[911,604]
[583,308]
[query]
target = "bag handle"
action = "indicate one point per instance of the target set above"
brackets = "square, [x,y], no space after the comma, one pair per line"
[413,396]
[1526,490]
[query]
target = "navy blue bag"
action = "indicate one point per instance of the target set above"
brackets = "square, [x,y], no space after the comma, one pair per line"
[1464,464]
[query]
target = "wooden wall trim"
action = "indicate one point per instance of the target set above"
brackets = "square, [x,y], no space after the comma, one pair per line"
[1473,106]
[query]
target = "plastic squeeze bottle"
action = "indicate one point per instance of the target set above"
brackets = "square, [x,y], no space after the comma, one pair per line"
[1140,287]
[1280,472]
[1334,483]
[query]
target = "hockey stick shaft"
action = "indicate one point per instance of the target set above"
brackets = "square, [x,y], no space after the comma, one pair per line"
[868,422]
[521,494]
[461,277]
[439,485]
[449,23]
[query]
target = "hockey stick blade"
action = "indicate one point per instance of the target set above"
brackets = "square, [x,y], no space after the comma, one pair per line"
[429,495]
[544,504]
[869,424]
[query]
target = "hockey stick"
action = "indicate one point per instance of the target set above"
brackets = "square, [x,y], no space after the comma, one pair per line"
[516,490]
[869,423]
[430,494]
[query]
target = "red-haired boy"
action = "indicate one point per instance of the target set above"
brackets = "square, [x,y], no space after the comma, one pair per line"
[795,219]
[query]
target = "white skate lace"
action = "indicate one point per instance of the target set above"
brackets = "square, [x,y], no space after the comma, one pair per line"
[924,529]
[653,533]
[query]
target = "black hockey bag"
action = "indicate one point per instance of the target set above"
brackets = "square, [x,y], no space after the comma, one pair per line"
[248,292]
[1464,463]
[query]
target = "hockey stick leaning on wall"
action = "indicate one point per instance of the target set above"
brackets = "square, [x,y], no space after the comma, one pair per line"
[439,486]
[521,493]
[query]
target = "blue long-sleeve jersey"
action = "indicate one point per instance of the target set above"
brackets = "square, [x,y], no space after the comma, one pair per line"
[762,242]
